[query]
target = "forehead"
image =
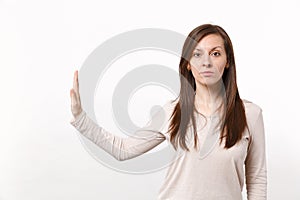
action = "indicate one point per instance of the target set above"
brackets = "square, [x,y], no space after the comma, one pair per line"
[210,41]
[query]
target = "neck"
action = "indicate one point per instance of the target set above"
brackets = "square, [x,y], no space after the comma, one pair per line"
[210,97]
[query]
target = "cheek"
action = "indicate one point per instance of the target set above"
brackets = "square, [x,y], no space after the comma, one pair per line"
[220,70]
[195,63]
[195,73]
[220,66]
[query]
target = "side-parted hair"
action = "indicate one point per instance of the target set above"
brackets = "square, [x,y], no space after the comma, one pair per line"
[233,121]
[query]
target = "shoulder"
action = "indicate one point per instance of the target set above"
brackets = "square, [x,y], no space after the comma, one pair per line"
[252,111]
[251,106]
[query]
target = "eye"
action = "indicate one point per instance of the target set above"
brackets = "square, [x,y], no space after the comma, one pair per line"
[196,54]
[216,54]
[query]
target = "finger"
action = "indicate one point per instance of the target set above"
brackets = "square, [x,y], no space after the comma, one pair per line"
[77,93]
[75,101]
[75,82]
[72,94]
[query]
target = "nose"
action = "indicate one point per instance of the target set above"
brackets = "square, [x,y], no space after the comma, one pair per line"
[206,61]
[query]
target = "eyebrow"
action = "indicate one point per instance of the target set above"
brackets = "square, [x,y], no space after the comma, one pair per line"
[211,49]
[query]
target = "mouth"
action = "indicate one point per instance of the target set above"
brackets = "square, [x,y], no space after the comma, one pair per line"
[206,73]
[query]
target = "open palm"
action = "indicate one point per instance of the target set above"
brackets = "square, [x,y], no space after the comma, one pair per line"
[75,97]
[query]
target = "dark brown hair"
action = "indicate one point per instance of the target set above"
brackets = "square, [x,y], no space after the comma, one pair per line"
[233,121]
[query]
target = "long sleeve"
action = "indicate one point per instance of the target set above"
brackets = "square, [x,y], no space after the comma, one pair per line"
[255,163]
[123,148]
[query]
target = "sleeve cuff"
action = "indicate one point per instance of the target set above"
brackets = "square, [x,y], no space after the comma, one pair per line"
[75,120]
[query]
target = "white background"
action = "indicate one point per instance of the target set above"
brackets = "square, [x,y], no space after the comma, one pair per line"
[42,43]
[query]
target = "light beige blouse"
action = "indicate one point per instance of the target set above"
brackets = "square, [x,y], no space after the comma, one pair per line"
[207,173]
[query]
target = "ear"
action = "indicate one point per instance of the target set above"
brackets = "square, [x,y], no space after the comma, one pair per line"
[227,65]
[188,67]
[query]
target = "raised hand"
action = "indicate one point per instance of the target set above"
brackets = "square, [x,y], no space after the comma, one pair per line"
[75,97]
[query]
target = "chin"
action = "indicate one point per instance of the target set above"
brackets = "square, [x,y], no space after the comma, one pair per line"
[208,82]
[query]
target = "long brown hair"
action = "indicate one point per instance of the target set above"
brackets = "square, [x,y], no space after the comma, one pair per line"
[233,122]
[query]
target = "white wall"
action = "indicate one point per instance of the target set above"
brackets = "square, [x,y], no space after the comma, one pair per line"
[43,42]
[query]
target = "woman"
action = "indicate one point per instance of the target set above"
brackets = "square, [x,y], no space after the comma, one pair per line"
[218,132]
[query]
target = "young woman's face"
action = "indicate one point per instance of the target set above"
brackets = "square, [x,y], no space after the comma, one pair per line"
[208,60]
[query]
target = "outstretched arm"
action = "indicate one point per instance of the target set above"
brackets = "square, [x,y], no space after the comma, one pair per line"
[121,148]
